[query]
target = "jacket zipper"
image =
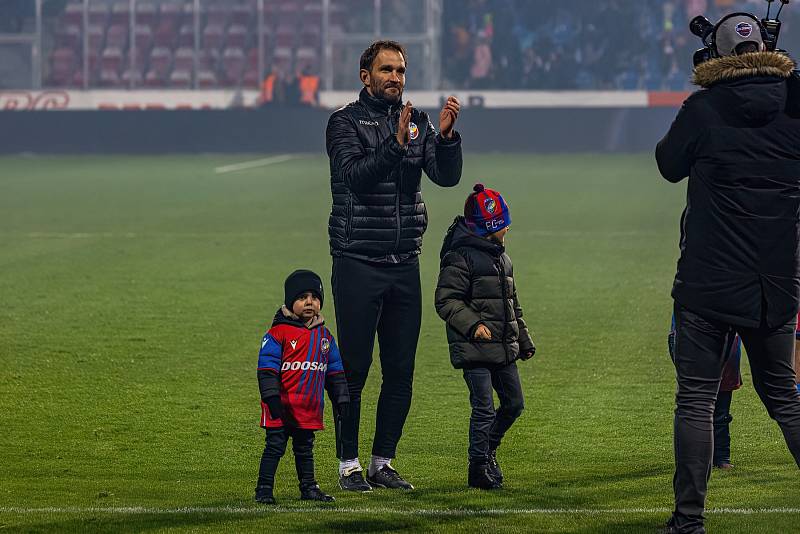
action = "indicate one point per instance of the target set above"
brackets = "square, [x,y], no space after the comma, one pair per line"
[502,276]
[397,189]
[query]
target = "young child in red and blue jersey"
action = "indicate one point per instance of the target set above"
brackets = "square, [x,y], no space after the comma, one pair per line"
[298,361]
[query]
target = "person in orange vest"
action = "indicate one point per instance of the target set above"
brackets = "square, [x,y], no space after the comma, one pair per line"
[309,88]
[267,89]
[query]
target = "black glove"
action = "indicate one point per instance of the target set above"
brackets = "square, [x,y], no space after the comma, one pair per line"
[275,407]
[343,409]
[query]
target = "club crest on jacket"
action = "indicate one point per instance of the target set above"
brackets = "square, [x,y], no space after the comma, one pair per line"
[413,130]
[325,345]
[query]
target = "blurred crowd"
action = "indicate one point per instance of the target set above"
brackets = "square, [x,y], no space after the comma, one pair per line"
[604,44]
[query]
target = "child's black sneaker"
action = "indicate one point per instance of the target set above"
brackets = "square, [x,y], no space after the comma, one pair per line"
[480,477]
[494,467]
[264,495]
[353,480]
[388,477]
[313,493]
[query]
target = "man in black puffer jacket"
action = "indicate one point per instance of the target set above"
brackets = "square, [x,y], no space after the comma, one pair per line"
[738,268]
[378,148]
[477,297]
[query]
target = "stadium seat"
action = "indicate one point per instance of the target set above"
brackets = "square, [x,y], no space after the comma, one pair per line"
[96,37]
[284,35]
[132,76]
[153,79]
[233,64]
[208,59]
[69,36]
[217,14]
[98,14]
[213,37]
[120,13]
[282,58]
[73,14]
[307,58]
[165,34]
[77,78]
[180,79]
[111,59]
[311,35]
[243,14]
[62,65]
[206,79]
[186,35]
[109,78]
[251,79]
[117,36]
[184,59]
[170,14]
[146,14]
[160,60]
[237,36]
[144,39]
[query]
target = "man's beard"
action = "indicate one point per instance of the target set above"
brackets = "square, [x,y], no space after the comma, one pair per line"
[390,98]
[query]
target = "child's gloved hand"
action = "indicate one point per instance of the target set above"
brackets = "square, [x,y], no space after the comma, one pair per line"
[529,354]
[275,407]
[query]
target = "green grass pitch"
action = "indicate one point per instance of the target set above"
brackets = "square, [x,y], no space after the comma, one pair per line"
[134,292]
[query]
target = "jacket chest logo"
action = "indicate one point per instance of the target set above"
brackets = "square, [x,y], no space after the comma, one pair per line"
[293,343]
[367,123]
[413,131]
[325,345]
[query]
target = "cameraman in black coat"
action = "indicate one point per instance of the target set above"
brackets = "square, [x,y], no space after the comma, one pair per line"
[378,148]
[738,267]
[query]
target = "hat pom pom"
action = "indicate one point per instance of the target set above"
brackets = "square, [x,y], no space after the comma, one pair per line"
[478,188]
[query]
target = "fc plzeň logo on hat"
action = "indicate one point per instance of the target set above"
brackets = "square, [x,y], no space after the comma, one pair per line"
[413,131]
[744,29]
[490,205]
[325,345]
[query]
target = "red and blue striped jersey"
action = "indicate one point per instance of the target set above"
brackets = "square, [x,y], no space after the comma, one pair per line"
[302,358]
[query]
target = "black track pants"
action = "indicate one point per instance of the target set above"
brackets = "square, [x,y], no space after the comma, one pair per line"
[387,299]
[700,353]
[275,448]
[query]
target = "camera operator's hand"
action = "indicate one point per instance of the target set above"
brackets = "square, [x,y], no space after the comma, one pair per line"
[403,129]
[448,116]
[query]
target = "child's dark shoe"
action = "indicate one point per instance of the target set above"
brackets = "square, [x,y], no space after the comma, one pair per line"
[313,493]
[480,477]
[494,467]
[723,465]
[264,495]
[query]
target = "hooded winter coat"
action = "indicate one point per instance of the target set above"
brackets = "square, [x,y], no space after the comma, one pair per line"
[476,286]
[738,140]
[378,209]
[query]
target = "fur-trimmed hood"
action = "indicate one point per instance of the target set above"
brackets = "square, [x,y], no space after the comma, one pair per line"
[730,68]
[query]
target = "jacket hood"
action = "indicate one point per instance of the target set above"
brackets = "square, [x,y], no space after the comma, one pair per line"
[377,104]
[751,84]
[284,316]
[459,235]
[728,68]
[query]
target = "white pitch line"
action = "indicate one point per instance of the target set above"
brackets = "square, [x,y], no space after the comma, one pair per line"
[225,510]
[254,163]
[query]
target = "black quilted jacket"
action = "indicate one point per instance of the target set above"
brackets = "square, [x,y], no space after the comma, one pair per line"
[377,203]
[476,286]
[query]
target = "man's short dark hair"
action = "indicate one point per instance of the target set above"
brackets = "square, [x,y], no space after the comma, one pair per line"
[369,55]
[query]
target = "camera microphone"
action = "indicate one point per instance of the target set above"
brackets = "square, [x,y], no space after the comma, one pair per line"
[701,27]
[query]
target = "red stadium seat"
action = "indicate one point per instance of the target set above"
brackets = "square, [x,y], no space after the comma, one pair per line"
[307,58]
[98,13]
[153,79]
[121,13]
[186,35]
[233,64]
[237,36]
[251,79]
[160,60]
[282,58]
[69,36]
[284,35]
[164,35]
[73,14]
[243,14]
[311,36]
[213,37]
[208,59]
[218,14]
[184,58]
[206,79]
[146,14]
[117,36]
[96,37]
[171,14]
[111,59]
[180,79]
[132,76]
[62,65]
[144,39]
[109,78]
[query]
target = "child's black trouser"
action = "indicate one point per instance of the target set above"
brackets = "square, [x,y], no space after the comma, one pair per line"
[274,449]
[487,426]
